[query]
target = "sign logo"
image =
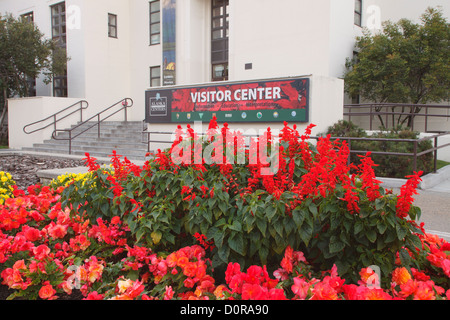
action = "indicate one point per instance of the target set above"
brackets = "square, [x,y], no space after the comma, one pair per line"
[158,106]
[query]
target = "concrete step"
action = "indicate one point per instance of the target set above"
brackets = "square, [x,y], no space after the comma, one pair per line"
[93,141]
[124,137]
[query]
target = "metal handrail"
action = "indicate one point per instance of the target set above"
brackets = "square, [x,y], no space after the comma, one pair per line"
[415,154]
[375,109]
[55,120]
[126,103]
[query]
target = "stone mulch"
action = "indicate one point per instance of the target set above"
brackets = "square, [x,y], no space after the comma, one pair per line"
[23,168]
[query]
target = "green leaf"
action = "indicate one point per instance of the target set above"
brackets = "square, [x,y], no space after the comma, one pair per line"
[236,243]
[278,226]
[263,254]
[262,225]
[140,233]
[218,238]
[358,227]
[236,226]
[299,216]
[270,212]
[313,209]
[224,253]
[381,226]
[380,203]
[335,245]
[371,235]
[335,219]
[306,232]
[405,258]
[401,231]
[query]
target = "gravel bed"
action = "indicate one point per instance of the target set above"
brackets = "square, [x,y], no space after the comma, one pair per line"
[23,168]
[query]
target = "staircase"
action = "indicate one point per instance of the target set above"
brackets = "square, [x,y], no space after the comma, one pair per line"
[124,137]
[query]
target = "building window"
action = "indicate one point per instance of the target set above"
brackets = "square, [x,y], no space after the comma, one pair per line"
[58,15]
[155,76]
[31,82]
[59,24]
[112,25]
[358,12]
[155,22]
[219,39]
[28,17]
[60,86]
[220,72]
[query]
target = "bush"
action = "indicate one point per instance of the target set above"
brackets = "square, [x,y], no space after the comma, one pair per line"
[201,229]
[252,218]
[387,166]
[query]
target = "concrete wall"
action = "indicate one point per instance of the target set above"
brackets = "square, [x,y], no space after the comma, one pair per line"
[287,39]
[24,111]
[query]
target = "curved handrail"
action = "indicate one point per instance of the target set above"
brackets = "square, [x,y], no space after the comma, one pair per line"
[126,103]
[81,108]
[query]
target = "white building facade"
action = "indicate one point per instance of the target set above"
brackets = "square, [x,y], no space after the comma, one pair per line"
[118,48]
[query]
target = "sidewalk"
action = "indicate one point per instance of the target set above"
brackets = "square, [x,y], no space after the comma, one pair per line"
[435,206]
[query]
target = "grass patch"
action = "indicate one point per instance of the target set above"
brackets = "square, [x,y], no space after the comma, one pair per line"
[441,164]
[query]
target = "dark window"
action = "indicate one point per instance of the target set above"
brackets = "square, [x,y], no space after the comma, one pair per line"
[58,13]
[29,17]
[220,72]
[112,25]
[155,22]
[60,86]
[155,76]
[59,24]
[358,12]
[31,82]
[219,39]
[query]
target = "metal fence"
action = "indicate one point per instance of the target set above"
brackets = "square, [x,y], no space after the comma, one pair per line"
[415,154]
[392,114]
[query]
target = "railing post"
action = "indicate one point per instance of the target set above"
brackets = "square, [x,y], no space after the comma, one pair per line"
[349,108]
[370,116]
[435,154]
[98,125]
[415,157]
[54,122]
[70,142]
[349,142]
[81,111]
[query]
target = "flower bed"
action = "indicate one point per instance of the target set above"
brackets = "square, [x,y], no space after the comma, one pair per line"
[316,228]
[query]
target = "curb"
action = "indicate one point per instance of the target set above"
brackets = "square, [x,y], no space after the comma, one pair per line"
[429,181]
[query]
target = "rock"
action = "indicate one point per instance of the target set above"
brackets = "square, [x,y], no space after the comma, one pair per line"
[23,168]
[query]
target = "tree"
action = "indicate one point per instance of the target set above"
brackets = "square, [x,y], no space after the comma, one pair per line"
[406,62]
[25,53]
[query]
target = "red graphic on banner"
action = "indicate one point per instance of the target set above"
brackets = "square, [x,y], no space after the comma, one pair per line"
[290,94]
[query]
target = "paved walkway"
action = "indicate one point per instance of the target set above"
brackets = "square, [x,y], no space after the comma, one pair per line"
[435,206]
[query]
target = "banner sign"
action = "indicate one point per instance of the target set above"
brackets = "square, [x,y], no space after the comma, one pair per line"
[169,42]
[262,101]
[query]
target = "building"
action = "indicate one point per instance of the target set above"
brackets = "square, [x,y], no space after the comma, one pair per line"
[120,48]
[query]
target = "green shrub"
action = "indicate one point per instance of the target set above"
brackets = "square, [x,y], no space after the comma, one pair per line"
[312,203]
[394,166]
